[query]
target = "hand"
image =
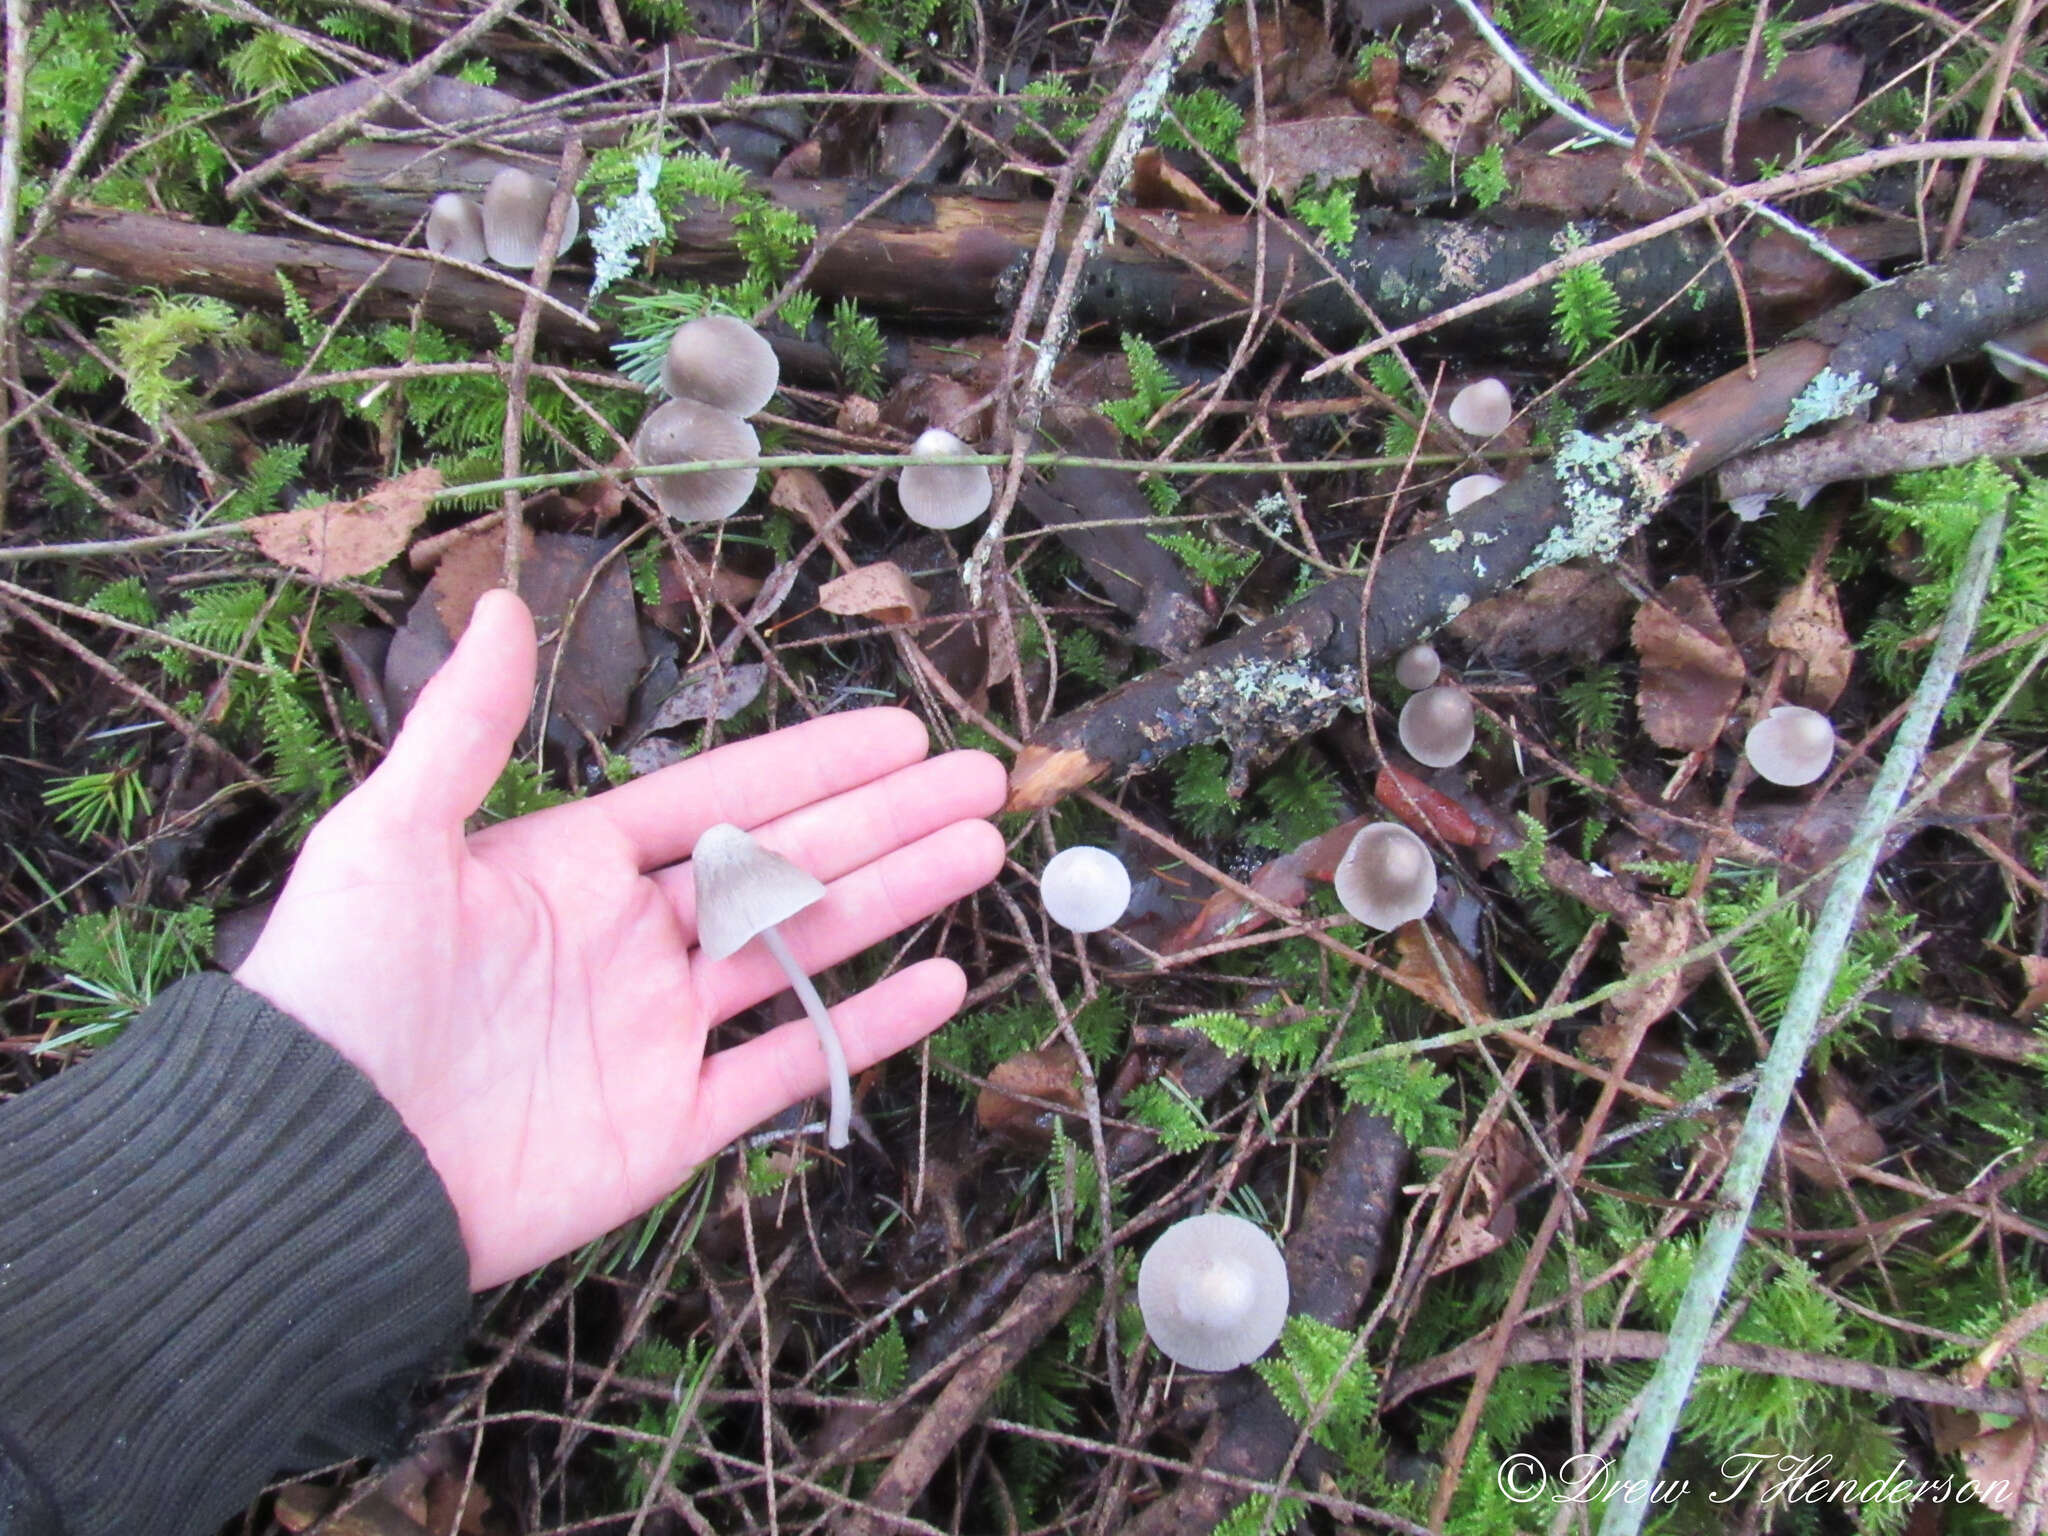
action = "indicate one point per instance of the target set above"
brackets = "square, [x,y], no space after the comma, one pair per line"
[528,998]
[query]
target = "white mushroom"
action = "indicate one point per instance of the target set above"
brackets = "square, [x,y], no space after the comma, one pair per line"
[1386,877]
[516,213]
[1213,1292]
[721,361]
[1084,889]
[1418,666]
[1792,745]
[1436,726]
[455,228]
[686,432]
[1750,508]
[1470,489]
[743,891]
[1482,409]
[936,494]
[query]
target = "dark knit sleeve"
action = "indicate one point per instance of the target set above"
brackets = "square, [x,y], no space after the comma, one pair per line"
[222,1257]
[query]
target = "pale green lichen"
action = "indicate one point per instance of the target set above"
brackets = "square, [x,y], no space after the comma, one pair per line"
[1459,602]
[1450,543]
[1923,310]
[2015,281]
[1258,700]
[1828,396]
[1609,484]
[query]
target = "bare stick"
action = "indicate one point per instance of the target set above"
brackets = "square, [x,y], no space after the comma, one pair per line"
[1863,451]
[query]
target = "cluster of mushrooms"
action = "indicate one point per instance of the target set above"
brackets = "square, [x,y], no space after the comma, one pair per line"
[506,228]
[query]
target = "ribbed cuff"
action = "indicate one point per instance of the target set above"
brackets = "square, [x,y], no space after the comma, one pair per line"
[222,1257]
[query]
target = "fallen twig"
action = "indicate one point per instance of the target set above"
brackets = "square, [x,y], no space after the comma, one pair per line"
[1864,451]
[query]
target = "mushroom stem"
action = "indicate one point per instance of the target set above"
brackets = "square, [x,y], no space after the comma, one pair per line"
[828,1037]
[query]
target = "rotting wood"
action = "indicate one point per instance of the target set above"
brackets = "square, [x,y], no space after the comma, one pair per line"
[1865,450]
[1298,671]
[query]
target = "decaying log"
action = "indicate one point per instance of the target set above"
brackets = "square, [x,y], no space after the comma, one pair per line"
[1295,672]
[1332,1257]
[961,259]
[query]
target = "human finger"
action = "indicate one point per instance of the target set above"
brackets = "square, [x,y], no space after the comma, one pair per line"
[460,733]
[832,838]
[864,908]
[748,1083]
[750,782]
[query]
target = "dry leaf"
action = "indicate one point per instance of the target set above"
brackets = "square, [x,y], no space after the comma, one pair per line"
[1330,149]
[1664,931]
[1156,182]
[1295,58]
[1453,987]
[1570,611]
[1979,793]
[1476,84]
[1048,1074]
[1284,880]
[1846,1136]
[880,591]
[1807,626]
[711,690]
[1692,674]
[2035,969]
[801,492]
[339,540]
[1425,810]
[1485,1219]
[1997,1464]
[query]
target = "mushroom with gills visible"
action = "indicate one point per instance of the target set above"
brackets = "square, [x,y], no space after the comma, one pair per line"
[936,494]
[743,891]
[1084,889]
[686,432]
[1483,409]
[1213,1292]
[721,361]
[516,215]
[1470,489]
[1436,726]
[1792,745]
[455,228]
[1418,667]
[1387,877]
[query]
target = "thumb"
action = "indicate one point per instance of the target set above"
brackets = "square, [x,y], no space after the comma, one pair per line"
[463,727]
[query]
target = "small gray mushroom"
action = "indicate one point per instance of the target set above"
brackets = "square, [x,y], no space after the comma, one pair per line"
[455,228]
[516,213]
[1436,726]
[721,361]
[1213,1292]
[743,891]
[1084,889]
[936,494]
[1418,667]
[1470,489]
[1387,876]
[688,432]
[1482,409]
[1792,745]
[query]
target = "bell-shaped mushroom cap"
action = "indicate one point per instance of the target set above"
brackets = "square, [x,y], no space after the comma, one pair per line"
[455,227]
[1483,409]
[1418,667]
[1792,745]
[743,888]
[1468,490]
[1386,877]
[515,213]
[1213,1291]
[1084,889]
[1436,726]
[684,432]
[941,495]
[721,361]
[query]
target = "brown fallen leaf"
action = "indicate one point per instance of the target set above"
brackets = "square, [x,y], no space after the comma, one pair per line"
[1665,930]
[1048,1074]
[1501,1166]
[880,591]
[1692,674]
[1846,1136]
[1295,57]
[300,1505]
[711,690]
[1452,986]
[1330,149]
[1569,611]
[1806,625]
[1979,792]
[2034,968]
[1476,84]
[1425,810]
[1156,182]
[801,492]
[1284,880]
[1997,1464]
[340,540]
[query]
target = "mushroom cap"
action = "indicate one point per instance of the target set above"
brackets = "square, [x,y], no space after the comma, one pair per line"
[1418,667]
[687,431]
[941,495]
[721,361]
[1213,1291]
[1483,409]
[1436,726]
[1468,490]
[1792,745]
[1750,508]
[515,213]
[743,888]
[455,227]
[1084,889]
[1387,876]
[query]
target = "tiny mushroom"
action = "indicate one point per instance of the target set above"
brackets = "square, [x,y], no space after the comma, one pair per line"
[455,228]
[1418,667]
[743,891]
[1436,726]
[721,361]
[1792,745]
[515,214]
[936,494]
[1213,1292]
[1085,889]
[1468,490]
[1483,409]
[1386,877]
[684,432]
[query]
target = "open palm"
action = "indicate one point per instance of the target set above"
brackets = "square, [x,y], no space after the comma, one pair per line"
[529,999]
